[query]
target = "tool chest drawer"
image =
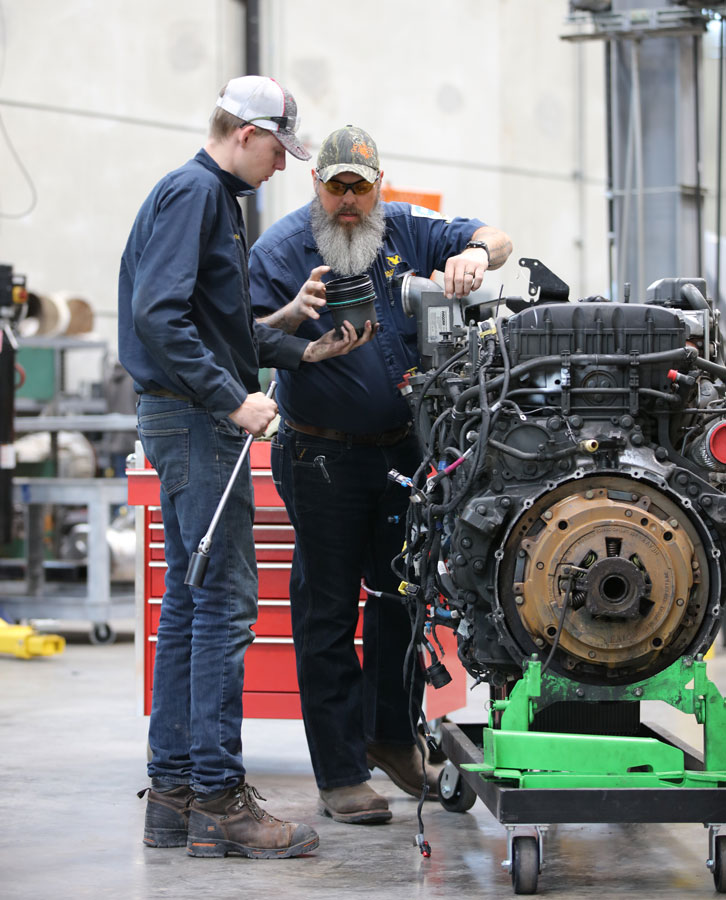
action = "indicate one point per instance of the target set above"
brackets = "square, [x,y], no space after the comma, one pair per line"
[270,689]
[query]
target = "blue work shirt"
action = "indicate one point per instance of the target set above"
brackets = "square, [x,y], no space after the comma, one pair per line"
[185,320]
[356,393]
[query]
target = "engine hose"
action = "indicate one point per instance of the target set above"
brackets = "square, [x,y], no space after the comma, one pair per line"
[481,388]
[486,413]
[678,355]
[431,379]
[487,357]
[532,455]
[477,390]
[695,298]
[711,367]
[504,350]
[552,392]
[432,441]
[471,475]
[514,451]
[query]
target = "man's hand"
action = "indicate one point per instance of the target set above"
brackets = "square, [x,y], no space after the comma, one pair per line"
[464,273]
[310,298]
[255,414]
[330,344]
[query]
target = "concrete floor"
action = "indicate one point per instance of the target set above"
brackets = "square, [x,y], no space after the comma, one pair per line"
[73,756]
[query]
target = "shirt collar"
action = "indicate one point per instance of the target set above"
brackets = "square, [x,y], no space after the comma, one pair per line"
[234,185]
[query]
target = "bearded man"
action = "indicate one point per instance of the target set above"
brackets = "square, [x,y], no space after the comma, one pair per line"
[344,425]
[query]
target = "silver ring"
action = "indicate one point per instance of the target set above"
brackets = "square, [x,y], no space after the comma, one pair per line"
[469,273]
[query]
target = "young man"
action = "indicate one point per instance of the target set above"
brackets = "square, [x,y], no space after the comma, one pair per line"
[344,426]
[187,337]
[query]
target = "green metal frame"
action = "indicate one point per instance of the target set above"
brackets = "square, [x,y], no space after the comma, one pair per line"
[526,758]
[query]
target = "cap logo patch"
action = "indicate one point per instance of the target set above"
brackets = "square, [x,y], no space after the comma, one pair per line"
[363,149]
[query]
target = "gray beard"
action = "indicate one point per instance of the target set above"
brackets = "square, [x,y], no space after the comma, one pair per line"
[348,251]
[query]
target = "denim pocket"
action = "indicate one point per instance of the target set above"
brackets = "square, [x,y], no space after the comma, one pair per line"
[167,449]
[305,450]
[277,450]
[227,427]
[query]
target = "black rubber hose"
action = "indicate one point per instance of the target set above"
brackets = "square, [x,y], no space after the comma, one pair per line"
[680,354]
[711,367]
[695,298]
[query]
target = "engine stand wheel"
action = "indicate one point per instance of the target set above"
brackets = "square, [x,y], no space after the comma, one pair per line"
[455,795]
[102,633]
[525,865]
[719,864]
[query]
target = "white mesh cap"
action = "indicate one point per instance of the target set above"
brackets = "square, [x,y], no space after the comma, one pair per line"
[263,102]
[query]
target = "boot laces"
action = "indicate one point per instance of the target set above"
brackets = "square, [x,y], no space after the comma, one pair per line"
[248,796]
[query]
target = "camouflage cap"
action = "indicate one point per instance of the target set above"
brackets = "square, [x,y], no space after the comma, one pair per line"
[348,149]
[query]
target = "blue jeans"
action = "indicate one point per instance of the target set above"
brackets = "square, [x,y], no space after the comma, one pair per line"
[196,713]
[344,513]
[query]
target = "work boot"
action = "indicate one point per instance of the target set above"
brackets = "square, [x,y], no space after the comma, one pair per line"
[233,823]
[402,764]
[354,804]
[165,824]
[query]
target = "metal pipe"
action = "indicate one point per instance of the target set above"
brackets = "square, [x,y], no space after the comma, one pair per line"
[609,50]
[252,67]
[638,164]
[580,162]
[200,559]
[627,188]
[719,167]
[697,124]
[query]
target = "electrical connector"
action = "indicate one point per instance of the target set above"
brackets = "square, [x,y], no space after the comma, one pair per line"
[423,845]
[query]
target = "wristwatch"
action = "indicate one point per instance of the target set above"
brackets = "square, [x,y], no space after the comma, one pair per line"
[479,245]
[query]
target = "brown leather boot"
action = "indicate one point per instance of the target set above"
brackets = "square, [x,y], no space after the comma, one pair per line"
[234,823]
[354,804]
[165,823]
[402,764]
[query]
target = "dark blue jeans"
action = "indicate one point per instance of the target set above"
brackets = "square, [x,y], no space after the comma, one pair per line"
[342,512]
[196,713]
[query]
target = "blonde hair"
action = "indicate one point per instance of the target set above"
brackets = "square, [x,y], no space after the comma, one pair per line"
[222,123]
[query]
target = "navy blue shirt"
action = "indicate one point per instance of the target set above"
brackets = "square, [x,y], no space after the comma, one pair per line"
[185,320]
[357,393]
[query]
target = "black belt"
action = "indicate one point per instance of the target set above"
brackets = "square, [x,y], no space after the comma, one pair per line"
[382,439]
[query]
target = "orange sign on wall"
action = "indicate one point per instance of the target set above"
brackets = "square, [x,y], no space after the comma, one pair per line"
[427,199]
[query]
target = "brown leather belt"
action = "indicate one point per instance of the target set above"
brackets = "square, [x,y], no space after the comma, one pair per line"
[169,395]
[382,439]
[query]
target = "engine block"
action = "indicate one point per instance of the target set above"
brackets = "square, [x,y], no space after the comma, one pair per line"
[571,500]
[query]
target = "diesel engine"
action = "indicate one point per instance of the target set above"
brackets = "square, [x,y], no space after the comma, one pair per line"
[571,501]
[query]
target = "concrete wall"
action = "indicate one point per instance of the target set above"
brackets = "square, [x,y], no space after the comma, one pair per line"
[479,100]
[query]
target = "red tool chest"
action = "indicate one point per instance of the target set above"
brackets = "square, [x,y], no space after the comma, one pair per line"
[270,688]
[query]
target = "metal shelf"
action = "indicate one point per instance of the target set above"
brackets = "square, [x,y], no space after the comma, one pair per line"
[96,600]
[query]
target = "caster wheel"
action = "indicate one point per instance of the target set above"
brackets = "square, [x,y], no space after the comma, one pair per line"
[455,795]
[719,864]
[102,633]
[525,865]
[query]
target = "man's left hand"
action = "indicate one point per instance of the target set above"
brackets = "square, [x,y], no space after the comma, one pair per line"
[464,273]
[332,344]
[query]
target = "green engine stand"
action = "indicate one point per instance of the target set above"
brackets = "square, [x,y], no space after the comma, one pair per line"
[528,778]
